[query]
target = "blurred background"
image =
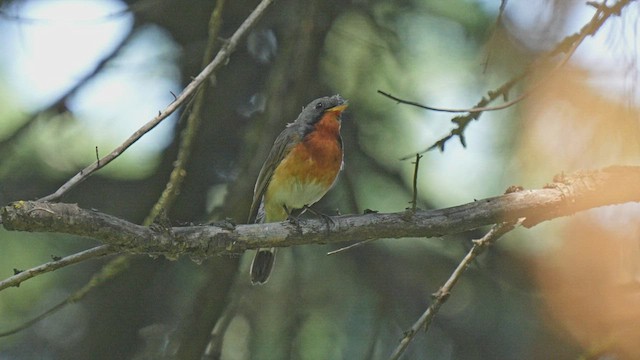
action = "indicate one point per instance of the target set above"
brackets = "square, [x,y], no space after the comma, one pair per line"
[76,75]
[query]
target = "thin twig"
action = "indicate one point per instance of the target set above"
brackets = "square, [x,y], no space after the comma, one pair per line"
[441,296]
[219,60]
[452,110]
[496,25]
[414,201]
[567,46]
[349,247]
[17,279]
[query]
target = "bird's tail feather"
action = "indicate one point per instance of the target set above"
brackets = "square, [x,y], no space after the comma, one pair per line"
[261,265]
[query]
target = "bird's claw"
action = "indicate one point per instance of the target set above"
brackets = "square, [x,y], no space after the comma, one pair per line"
[327,219]
[295,221]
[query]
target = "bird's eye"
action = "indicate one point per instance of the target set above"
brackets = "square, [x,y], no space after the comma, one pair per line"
[319,105]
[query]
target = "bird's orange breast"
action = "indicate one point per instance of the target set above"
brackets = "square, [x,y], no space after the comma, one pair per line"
[309,169]
[319,156]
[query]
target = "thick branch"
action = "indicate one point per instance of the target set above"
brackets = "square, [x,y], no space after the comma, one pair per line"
[567,195]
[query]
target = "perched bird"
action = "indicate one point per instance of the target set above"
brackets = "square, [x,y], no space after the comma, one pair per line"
[301,167]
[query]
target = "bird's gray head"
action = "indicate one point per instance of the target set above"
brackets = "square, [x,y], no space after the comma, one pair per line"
[312,113]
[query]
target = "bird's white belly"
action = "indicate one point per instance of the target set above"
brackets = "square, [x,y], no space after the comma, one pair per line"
[297,194]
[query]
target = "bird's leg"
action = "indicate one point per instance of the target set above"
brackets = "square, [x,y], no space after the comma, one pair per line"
[293,219]
[327,219]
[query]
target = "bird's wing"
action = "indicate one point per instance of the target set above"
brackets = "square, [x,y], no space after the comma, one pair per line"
[287,139]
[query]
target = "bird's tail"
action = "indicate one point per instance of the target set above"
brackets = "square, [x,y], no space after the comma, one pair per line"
[261,265]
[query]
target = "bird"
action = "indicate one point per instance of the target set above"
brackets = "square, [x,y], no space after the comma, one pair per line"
[301,168]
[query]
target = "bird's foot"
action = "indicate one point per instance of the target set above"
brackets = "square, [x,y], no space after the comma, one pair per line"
[295,221]
[327,219]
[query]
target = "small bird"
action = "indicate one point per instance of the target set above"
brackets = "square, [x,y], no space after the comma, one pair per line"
[302,166]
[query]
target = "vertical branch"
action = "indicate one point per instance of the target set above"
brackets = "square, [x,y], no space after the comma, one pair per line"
[414,201]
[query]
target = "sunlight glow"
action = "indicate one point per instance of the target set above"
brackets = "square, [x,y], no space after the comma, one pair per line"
[53,43]
[46,47]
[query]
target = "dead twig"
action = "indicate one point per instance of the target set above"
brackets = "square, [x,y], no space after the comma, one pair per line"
[219,60]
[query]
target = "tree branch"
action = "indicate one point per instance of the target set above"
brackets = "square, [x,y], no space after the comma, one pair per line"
[219,60]
[21,276]
[442,295]
[567,47]
[567,195]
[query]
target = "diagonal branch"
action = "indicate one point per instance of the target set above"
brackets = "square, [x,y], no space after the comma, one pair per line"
[442,295]
[25,275]
[219,60]
[567,195]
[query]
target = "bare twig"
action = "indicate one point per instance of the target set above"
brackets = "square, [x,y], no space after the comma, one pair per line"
[442,295]
[414,201]
[567,46]
[349,247]
[496,25]
[452,110]
[17,279]
[219,60]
